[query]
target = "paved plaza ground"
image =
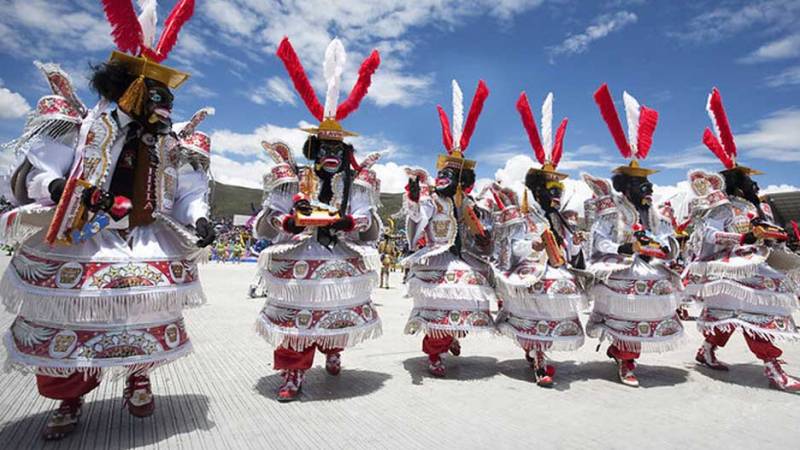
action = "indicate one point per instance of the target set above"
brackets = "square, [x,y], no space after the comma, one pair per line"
[222,396]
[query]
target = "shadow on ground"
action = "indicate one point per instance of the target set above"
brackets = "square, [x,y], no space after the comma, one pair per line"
[318,385]
[750,375]
[459,368]
[174,415]
[567,372]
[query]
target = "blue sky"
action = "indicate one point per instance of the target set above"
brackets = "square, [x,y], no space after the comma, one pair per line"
[668,54]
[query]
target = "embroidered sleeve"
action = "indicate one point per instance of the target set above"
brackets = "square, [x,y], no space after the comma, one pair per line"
[191,197]
[50,160]
[603,235]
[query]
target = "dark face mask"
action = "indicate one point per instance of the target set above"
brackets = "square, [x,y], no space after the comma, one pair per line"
[749,189]
[330,158]
[549,197]
[446,182]
[640,192]
[157,108]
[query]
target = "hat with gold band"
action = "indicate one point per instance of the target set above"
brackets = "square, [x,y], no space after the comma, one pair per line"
[642,123]
[137,48]
[333,111]
[547,151]
[723,147]
[457,141]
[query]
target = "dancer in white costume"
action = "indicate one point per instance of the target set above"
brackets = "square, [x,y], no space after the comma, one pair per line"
[635,294]
[534,251]
[739,262]
[320,271]
[449,277]
[104,284]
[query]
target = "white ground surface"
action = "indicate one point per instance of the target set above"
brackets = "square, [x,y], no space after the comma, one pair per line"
[222,396]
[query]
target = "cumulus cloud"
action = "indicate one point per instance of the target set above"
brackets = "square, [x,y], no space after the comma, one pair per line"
[775,188]
[12,105]
[787,77]
[601,27]
[393,177]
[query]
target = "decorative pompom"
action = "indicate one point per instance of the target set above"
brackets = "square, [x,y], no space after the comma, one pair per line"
[125,27]
[648,119]
[474,112]
[299,79]
[603,99]
[714,145]
[447,138]
[359,91]
[717,113]
[180,14]
[558,145]
[525,113]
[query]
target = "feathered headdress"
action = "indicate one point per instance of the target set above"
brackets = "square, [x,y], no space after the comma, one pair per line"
[547,151]
[724,147]
[642,123]
[138,49]
[457,141]
[333,111]
[193,140]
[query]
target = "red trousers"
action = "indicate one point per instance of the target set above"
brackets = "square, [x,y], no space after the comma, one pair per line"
[762,348]
[69,388]
[618,353]
[288,359]
[433,347]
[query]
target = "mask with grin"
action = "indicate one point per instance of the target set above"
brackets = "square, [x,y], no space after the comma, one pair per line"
[330,156]
[447,181]
[547,193]
[638,190]
[157,112]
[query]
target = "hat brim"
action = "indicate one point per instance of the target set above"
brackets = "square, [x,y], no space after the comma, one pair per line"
[634,171]
[150,69]
[548,174]
[744,169]
[445,161]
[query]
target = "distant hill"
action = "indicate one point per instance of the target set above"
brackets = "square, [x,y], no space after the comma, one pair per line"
[229,200]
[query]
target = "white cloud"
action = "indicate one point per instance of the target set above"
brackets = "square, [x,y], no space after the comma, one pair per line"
[788,77]
[787,47]
[247,173]
[228,141]
[12,105]
[776,138]
[384,24]
[601,27]
[775,188]
[393,177]
[275,89]
[726,21]
[199,91]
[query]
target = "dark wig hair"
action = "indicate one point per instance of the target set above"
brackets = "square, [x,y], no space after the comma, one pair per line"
[467,178]
[111,79]
[733,180]
[620,182]
[534,180]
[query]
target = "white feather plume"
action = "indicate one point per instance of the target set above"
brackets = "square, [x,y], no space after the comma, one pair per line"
[632,114]
[335,59]
[458,113]
[547,125]
[148,20]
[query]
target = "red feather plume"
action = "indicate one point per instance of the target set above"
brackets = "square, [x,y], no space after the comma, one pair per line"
[558,145]
[722,124]
[796,230]
[648,119]
[526,114]
[447,137]
[609,112]
[368,67]
[474,112]
[179,15]
[125,27]
[714,145]
[299,79]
